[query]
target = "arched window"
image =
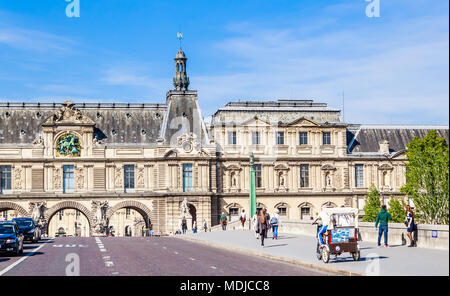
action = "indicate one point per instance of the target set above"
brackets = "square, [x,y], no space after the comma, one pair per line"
[306,211]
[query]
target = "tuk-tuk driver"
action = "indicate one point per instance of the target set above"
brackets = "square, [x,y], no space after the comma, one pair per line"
[323,216]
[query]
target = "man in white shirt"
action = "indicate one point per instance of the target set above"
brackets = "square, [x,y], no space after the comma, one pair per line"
[243,218]
[324,218]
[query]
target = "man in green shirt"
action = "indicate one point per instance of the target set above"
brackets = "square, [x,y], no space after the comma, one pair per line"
[383,218]
[223,221]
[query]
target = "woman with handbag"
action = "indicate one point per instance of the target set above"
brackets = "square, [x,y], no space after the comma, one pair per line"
[411,226]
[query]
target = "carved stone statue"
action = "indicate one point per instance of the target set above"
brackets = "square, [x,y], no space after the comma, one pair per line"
[184,208]
[38,141]
[57,178]
[118,177]
[140,177]
[37,210]
[18,178]
[80,178]
[100,221]
[184,213]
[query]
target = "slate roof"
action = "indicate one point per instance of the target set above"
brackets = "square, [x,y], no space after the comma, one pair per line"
[366,138]
[115,124]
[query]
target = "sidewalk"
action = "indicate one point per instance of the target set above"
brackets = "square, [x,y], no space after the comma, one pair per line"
[394,261]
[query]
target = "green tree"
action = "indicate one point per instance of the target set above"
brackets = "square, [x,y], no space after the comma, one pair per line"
[397,209]
[427,175]
[373,205]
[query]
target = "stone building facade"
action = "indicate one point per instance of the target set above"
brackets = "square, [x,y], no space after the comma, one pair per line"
[81,168]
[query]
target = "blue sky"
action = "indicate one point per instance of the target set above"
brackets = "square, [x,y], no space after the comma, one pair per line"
[393,69]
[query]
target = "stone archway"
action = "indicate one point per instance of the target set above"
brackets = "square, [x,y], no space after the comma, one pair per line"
[7,205]
[69,205]
[135,205]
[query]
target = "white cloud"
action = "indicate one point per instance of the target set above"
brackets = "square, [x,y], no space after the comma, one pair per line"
[398,72]
[36,41]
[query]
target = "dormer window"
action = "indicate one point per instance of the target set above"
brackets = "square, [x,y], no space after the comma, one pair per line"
[326,138]
[303,138]
[256,138]
[280,138]
[232,138]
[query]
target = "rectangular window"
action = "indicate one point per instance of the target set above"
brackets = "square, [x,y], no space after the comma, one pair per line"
[187,177]
[304,175]
[61,214]
[256,138]
[280,138]
[303,138]
[5,178]
[326,138]
[77,214]
[128,173]
[359,175]
[127,212]
[68,178]
[258,175]
[232,138]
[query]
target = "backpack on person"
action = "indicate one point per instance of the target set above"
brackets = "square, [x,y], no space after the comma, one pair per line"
[274,221]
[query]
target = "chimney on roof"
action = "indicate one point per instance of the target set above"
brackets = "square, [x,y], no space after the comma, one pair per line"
[384,147]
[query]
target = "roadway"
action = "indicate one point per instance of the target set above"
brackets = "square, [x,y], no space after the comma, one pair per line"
[138,256]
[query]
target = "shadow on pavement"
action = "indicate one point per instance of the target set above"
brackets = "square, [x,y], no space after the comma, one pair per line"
[350,259]
[3,259]
[279,245]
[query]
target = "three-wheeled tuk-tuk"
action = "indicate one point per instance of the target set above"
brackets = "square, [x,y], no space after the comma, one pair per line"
[341,235]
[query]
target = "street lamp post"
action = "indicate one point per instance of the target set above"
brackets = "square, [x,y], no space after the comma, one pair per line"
[252,187]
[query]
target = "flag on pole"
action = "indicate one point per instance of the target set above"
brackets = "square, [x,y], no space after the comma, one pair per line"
[179,36]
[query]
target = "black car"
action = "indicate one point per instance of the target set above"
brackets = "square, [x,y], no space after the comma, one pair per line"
[11,239]
[28,228]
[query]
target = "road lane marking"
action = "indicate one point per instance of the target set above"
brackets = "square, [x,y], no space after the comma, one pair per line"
[115,272]
[176,253]
[192,259]
[109,263]
[22,259]
[164,248]
[213,267]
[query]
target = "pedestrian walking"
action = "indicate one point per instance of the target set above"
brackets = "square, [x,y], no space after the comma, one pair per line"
[410,225]
[267,219]
[184,225]
[205,225]
[243,218]
[223,221]
[275,222]
[263,226]
[255,225]
[383,218]
[194,227]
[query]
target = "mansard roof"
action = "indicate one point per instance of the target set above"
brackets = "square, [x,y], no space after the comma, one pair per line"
[115,123]
[366,138]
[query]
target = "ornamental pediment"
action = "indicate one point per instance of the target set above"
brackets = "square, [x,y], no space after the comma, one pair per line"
[279,167]
[233,167]
[256,122]
[385,167]
[328,167]
[68,115]
[303,122]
